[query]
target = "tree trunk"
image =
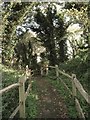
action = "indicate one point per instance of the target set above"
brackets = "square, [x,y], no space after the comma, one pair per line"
[61,51]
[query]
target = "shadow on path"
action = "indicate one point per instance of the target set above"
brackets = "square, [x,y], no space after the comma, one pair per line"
[50,103]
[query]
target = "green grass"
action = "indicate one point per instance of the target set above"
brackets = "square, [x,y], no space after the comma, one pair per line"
[72,113]
[31,102]
[10,99]
[67,97]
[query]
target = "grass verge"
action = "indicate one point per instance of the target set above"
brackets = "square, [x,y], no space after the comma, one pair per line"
[69,101]
[72,113]
[10,99]
[31,102]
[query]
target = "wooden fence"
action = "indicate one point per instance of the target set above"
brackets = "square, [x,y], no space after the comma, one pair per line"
[76,85]
[22,93]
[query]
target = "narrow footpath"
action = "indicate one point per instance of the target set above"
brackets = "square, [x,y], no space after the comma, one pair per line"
[50,103]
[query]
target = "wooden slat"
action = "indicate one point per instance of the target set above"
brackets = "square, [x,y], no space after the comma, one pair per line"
[79,109]
[9,88]
[81,90]
[65,74]
[27,91]
[14,113]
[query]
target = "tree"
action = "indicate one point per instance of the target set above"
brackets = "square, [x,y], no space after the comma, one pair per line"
[13,15]
[50,30]
[77,14]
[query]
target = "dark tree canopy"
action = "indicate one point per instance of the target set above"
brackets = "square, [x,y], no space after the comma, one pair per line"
[49,25]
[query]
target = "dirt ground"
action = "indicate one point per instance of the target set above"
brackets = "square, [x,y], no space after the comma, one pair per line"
[50,103]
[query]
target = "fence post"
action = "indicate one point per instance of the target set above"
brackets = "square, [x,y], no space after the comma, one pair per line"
[30,77]
[41,71]
[22,97]
[57,73]
[73,86]
[47,69]
[28,72]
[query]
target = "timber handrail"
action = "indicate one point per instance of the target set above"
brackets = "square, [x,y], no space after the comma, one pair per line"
[66,87]
[79,109]
[67,75]
[76,85]
[9,88]
[27,91]
[81,90]
[14,112]
[51,66]
[22,93]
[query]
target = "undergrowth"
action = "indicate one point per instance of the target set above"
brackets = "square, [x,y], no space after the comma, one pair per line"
[10,99]
[66,96]
[69,101]
[31,102]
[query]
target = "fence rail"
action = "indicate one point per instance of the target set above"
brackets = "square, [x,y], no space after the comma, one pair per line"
[9,88]
[14,112]
[76,85]
[22,93]
[81,90]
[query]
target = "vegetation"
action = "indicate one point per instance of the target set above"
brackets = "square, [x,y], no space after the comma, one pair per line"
[10,99]
[67,96]
[35,33]
[31,102]
[80,65]
[52,32]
